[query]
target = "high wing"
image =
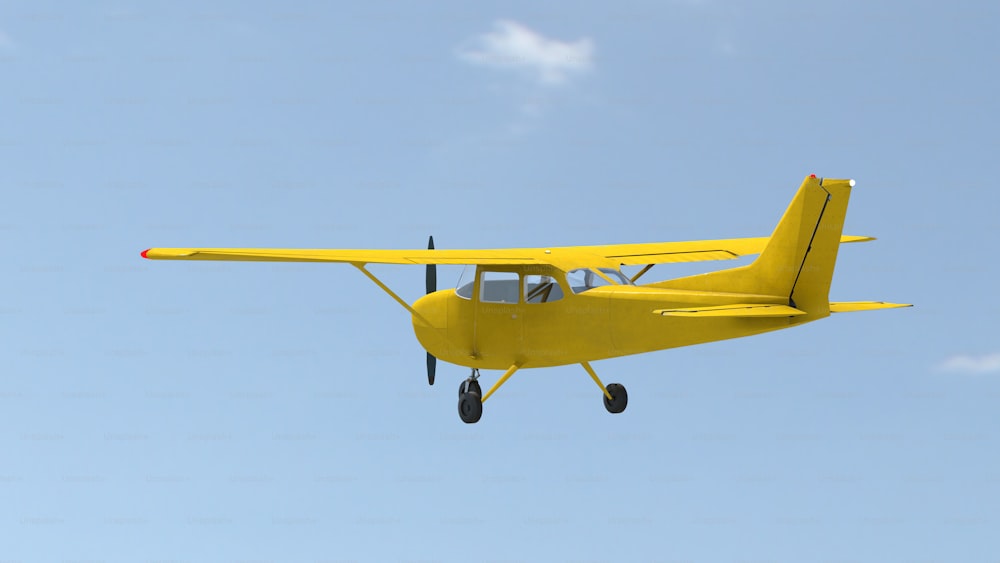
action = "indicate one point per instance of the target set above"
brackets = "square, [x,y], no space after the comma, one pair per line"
[566,257]
[513,256]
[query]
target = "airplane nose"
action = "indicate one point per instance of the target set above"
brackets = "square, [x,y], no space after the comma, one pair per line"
[430,323]
[433,310]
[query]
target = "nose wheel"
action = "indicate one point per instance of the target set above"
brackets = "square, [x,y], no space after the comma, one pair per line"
[470,399]
[470,407]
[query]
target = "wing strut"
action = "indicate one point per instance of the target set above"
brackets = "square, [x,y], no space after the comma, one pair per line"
[641,272]
[392,294]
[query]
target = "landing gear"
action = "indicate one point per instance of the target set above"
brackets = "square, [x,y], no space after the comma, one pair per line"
[615,397]
[619,398]
[470,399]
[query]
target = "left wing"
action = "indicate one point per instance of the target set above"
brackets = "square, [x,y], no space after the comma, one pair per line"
[516,256]
[565,257]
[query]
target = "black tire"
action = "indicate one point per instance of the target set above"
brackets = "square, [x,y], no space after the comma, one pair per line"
[470,407]
[474,387]
[619,398]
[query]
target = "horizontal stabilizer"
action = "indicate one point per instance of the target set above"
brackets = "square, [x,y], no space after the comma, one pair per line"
[851,306]
[738,310]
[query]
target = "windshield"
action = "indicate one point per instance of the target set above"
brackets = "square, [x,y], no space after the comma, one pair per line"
[582,279]
[466,282]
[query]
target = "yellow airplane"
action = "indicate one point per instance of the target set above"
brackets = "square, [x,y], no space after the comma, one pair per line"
[537,307]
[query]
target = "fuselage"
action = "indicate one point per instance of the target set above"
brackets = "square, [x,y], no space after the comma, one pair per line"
[603,322]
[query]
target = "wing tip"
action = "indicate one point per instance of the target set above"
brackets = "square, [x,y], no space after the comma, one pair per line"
[144,252]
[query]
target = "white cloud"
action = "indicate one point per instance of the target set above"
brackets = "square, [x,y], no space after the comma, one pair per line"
[989,363]
[514,46]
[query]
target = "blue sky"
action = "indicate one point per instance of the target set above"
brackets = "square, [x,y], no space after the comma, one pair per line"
[279,412]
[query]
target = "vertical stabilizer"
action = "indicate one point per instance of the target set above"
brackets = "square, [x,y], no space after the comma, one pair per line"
[798,260]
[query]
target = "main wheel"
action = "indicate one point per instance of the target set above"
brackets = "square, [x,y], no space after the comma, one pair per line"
[474,387]
[470,407]
[619,398]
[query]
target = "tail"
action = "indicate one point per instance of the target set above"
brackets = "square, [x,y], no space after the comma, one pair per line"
[798,260]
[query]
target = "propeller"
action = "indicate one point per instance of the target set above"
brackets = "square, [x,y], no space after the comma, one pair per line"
[431,270]
[431,288]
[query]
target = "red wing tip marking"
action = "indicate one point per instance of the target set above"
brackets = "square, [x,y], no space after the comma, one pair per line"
[812,176]
[143,253]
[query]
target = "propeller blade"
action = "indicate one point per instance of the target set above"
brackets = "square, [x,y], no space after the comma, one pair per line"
[431,288]
[431,270]
[431,368]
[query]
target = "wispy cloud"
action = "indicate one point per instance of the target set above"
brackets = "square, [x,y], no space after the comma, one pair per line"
[975,365]
[516,47]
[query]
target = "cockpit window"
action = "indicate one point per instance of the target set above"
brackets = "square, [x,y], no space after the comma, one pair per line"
[499,287]
[582,279]
[541,289]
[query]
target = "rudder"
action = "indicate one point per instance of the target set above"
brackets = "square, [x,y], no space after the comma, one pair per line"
[811,288]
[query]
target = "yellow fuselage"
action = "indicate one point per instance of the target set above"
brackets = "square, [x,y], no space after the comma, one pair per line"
[603,322]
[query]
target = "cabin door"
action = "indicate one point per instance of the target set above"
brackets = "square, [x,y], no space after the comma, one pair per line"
[499,315]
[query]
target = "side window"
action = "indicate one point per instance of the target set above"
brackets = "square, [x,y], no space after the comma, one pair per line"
[582,279]
[541,289]
[499,287]
[616,276]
